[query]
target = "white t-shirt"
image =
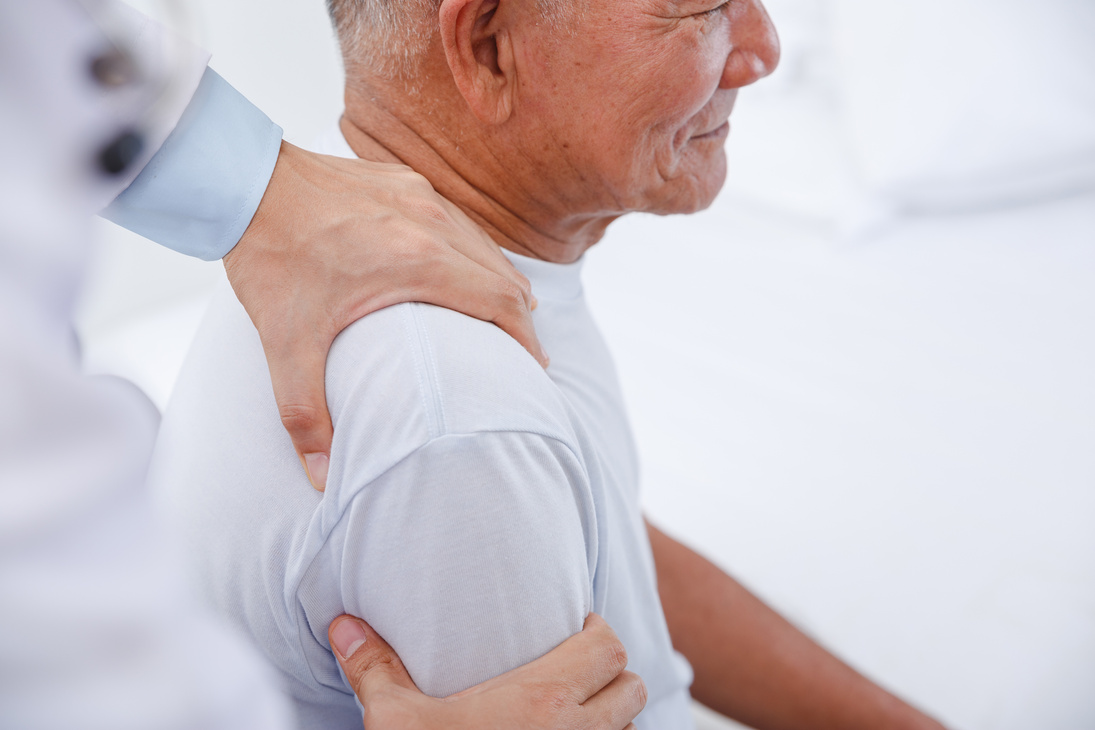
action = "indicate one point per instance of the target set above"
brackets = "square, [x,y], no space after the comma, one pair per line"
[477,507]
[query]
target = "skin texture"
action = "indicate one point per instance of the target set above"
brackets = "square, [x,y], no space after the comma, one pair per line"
[334,240]
[754,666]
[579,685]
[545,135]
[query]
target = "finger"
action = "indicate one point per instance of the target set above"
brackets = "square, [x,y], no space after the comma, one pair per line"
[617,704]
[504,268]
[463,285]
[449,224]
[598,651]
[514,316]
[479,247]
[370,665]
[583,665]
[297,374]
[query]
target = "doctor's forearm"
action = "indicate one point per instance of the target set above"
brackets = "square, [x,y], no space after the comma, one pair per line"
[754,666]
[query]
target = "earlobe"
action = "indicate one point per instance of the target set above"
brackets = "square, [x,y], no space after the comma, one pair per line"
[479,53]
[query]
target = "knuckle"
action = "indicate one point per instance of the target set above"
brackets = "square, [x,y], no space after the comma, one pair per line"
[422,205]
[638,689]
[369,673]
[425,248]
[434,210]
[524,284]
[419,203]
[380,661]
[510,297]
[615,655]
[296,417]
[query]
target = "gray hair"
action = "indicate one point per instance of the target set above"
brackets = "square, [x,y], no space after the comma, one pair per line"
[384,37]
[387,37]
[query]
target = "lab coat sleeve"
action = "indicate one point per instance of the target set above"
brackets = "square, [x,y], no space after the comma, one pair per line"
[172,71]
[98,628]
[197,195]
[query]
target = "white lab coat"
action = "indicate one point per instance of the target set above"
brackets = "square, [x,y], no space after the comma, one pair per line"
[97,629]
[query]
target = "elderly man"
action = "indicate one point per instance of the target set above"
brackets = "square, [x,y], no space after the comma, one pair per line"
[478,506]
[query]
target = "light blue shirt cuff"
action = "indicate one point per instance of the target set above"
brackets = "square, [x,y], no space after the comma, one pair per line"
[199,192]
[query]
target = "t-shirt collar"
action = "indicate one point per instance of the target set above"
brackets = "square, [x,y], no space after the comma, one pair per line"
[550,281]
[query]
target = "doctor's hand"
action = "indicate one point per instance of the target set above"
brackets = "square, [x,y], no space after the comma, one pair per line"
[335,239]
[579,685]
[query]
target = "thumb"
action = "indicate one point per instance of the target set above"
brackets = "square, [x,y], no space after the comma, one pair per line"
[297,374]
[369,663]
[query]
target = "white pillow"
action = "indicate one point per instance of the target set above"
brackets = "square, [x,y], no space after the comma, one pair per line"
[952,104]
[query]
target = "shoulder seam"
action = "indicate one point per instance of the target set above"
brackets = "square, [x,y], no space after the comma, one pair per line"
[430,365]
[426,370]
[414,346]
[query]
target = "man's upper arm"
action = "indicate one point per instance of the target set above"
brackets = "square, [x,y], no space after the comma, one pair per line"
[472,556]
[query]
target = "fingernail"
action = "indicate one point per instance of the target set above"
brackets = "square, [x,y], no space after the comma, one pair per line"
[317,465]
[535,303]
[347,636]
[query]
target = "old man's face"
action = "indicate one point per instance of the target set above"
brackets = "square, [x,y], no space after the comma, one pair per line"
[632,102]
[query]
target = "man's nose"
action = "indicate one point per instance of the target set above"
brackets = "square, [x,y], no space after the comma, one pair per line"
[755,51]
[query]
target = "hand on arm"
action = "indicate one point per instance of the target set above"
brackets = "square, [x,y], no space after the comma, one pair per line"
[752,665]
[579,685]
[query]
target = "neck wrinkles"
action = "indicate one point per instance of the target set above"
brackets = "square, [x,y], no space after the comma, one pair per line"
[377,134]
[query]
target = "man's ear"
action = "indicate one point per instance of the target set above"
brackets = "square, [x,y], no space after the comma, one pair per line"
[479,49]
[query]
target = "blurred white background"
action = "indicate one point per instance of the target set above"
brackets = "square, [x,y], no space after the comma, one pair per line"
[864,380]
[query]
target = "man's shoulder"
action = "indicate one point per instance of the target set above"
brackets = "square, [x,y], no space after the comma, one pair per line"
[395,380]
[452,373]
[412,373]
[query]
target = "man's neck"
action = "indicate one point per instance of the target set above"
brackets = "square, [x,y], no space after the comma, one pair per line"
[475,180]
